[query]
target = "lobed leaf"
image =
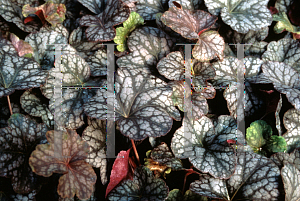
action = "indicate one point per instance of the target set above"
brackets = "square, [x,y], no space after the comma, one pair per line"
[78,176]
[95,136]
[17,141]
[242,15]
[17,72]
[143,105]
[291,180]
[101,26]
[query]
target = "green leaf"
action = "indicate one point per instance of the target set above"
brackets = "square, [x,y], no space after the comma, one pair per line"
[284,24]
[129,25]
[257,133]
[276,144]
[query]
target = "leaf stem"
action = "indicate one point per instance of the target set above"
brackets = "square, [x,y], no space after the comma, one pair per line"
[135,151]
[9,105]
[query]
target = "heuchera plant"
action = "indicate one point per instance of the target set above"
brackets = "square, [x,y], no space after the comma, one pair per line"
[93,100]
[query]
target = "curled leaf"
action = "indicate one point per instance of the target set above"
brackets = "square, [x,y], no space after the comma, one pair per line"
[53,13]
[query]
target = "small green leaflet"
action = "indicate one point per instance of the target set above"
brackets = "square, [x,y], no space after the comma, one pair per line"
[129,25]
[284,24]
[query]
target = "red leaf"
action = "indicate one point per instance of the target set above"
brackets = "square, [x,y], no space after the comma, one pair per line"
[28,19]
[40,14]
[120,171]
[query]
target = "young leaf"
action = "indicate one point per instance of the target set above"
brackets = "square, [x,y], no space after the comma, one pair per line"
[164,156]
[53,13]
[191,25]
[17,141]
[206,149]
[22,73]
[284,24]
[101,26]
[257,134]
[79,177]
[147,46]
[129,25]
[144,186]
[150,111]
[120,171]
[291,180]
[22,47]
[241,15]
[95,136]
[10,12]
[285,79]
[291,121]
[276,144]
[256,179]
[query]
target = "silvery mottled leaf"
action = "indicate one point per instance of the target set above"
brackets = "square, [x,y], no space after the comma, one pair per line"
[187,4]
[285,50]
[285,79]
[199,103]
[59,28]
[75,73]
[144,187]
[95,136]
[78,176]
[253,40]
[34,106]
[79,41]
[98,62]
[43,50]
[283,5]
[256,178]
[291,180]
[164,156]
[143,105]
[13,13]
[29,197]
[101,26]
[278,108]
[226,73]
[17,72]
[207,148]
[281,158]
[172,66]
[291,121]
[92,5]
[242,15]
[21,3]
[149,8]
[21,133]
[147,46]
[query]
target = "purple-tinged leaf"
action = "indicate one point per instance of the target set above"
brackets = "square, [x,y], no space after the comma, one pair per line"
[21,46]
[147,46]
[78,176]
[101,26]
[93,5]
